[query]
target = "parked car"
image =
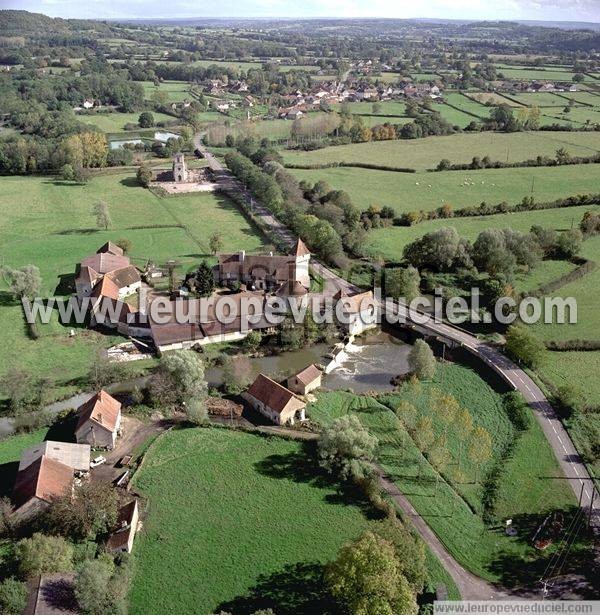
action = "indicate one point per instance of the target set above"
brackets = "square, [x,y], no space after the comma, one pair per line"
[98,461]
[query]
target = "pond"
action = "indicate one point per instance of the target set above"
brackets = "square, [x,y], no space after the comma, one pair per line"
[165,136]
[121,143]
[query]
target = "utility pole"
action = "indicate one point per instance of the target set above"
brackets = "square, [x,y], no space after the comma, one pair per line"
[591,505]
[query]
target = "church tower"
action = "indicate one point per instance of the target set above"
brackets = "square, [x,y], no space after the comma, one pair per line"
[302,259]
[180,172]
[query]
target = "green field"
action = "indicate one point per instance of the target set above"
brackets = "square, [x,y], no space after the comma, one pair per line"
[453,507]
[49,224]
[426,153]
[585,290]
[12,447]
[577,115]
[586,98]
[537,74]
[237,515]
[415,191]
[115,122]
[492,98]
[539,99]
[178,91]
[454,116]
[544,272]
[467,104]
[235,65]
[389,242]
[386,107]
[573,368]
[425,76]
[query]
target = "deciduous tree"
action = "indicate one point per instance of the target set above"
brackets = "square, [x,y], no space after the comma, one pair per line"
[366,579]
[421,360]
[345,444]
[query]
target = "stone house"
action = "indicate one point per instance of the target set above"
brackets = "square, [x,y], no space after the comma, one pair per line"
[274,401]
[180,171]
[37,484]
[305,381]
[75,456]
[99,421]
[264,272]
[359,311]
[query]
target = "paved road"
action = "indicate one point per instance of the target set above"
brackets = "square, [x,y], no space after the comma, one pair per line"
[469,586]
[570,461]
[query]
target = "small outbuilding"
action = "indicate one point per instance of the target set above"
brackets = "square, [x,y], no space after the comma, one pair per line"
[122,537]
[305,381]
[274,401]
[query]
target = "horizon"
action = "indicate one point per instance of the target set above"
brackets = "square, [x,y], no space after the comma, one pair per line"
[556,11]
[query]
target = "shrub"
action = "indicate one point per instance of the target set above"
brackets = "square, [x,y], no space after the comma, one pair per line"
[517,410]
[43,554]
[13,596]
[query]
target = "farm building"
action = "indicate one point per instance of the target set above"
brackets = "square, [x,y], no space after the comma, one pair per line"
[75,456]
[121,539]
[38,483]
[264,272]
[109,263]
[305,381]
[274,401]
[99,421]
[359,311]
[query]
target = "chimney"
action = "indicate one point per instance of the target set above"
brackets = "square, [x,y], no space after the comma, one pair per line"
[242,255]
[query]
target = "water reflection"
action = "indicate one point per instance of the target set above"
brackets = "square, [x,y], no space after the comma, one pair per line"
[372,361]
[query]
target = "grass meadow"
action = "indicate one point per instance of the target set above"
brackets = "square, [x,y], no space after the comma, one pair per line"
[115,122]
[427,191]
[178,91]
[452,502]
[423,154]
[389,242]
[50,224]
[245,519]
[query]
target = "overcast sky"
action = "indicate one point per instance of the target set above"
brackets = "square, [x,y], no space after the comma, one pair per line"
[547,10]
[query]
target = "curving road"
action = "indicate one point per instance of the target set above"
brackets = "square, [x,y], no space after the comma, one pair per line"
[570,461]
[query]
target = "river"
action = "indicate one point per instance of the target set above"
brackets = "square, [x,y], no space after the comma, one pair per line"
[371,362]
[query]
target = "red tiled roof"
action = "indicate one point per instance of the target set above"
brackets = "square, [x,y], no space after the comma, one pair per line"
[87,274]
[101,408]
[105,262]
[175,333]
[271,393]
[353,303]
[45,478]
[301,249]
[292,289]
[126,276]
[309,374]
[110,248]
[258,266]
[106,288]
